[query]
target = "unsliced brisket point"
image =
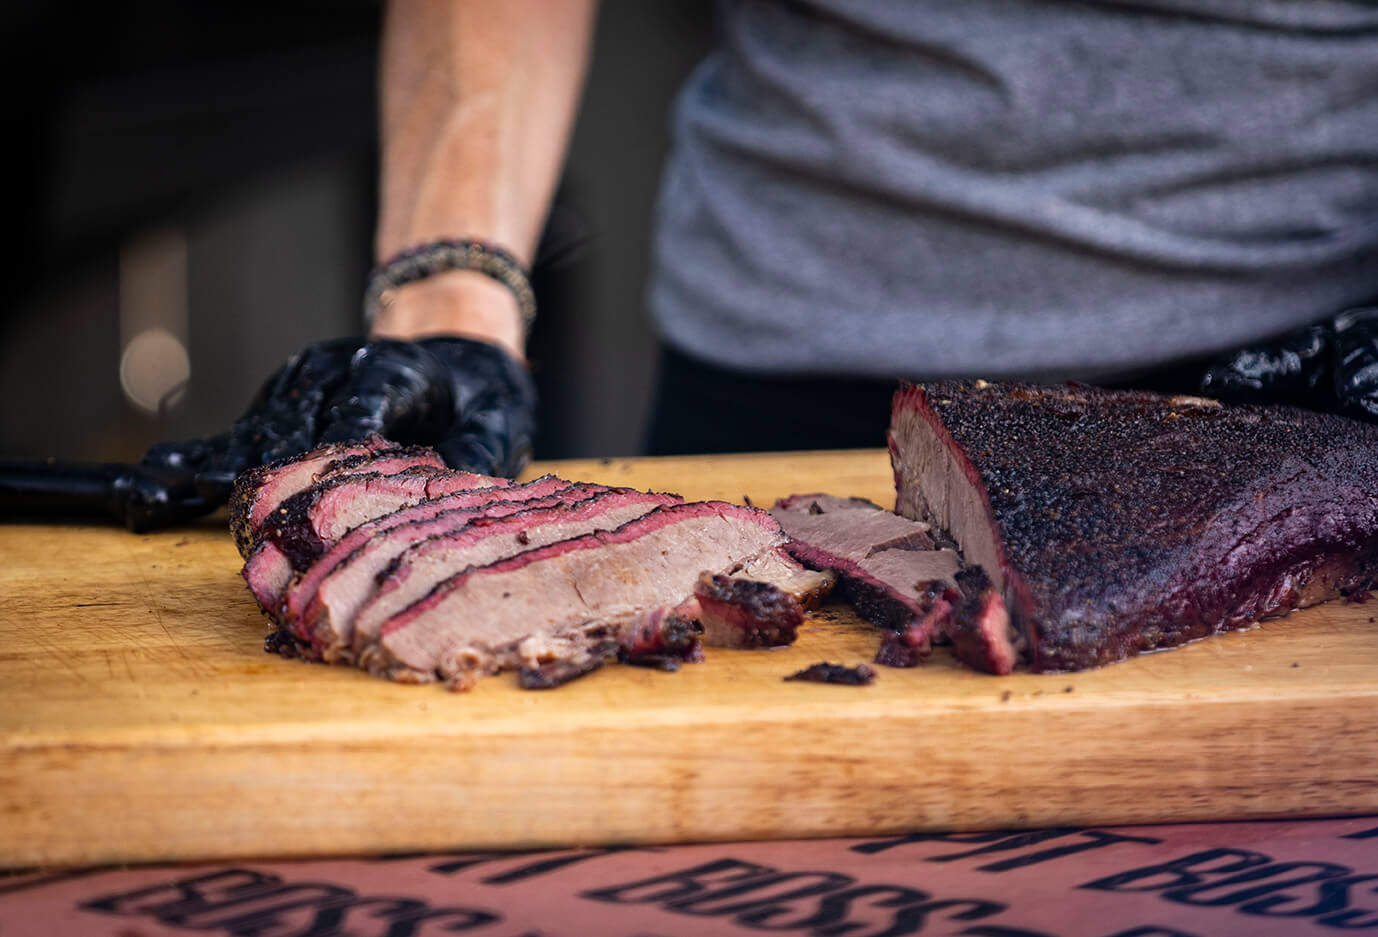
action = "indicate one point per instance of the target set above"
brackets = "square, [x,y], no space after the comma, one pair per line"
[556,600]
[260,490]
[885,561]
[417,568]
[1113,523]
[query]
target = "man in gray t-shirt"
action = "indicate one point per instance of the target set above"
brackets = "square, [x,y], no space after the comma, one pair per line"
[863,190]
[1017,189]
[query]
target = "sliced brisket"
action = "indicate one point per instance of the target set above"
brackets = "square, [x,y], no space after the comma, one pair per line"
[746,613]
[307,524]
[556,602]
[417,568]
[260,490]
[821,503]
[1113,523]
[361,544]
[809,587]
[319,608]
[885,561]
[311,521]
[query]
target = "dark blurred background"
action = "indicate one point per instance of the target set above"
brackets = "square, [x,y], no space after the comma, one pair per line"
[196,196]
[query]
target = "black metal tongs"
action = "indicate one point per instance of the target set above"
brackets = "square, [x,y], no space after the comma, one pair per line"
[141,497]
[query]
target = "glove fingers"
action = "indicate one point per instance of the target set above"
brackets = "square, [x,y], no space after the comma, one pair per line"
[1293,369]
[189,455]
[1356,363]
[289,416]
[473,454]
[395,389]
[282,420]
[494,407]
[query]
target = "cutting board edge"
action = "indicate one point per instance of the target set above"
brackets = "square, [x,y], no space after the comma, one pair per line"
[720,784]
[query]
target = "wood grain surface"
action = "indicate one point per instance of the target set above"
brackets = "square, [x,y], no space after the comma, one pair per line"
[141,720]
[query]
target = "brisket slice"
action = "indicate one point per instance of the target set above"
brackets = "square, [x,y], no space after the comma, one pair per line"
[347,549]
[403,569]
[311,521]
[978,623]
[746,613]
[819,502]
[1113,523]
[418,568]
[325,597]
[562,601]
[757,603]
[914,642]
[885,562]
[307,524]
[808,587]
[260,490]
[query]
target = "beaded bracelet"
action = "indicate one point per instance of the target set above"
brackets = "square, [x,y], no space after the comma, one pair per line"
[442,256]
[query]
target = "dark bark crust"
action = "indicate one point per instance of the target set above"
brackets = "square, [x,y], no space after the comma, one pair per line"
[874,601]
[1131,521]
[294,528]
[746,613]
[256,482]
[860,675]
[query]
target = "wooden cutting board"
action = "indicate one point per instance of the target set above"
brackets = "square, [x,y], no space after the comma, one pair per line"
[140,720]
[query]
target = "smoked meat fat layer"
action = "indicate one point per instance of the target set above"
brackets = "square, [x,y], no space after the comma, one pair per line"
[1116,522]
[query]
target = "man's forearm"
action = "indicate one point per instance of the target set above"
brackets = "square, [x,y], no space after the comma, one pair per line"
[478,98]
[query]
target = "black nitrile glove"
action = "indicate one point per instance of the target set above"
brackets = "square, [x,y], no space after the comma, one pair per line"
[1331,366]
[1293,369]
[1356,363]
[468,399]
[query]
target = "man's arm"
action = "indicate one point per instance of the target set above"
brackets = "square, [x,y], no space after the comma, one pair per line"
[478,99]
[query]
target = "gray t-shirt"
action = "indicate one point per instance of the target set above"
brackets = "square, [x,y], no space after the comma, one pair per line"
[1000,188]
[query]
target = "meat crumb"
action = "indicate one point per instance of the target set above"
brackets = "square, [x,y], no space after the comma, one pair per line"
[281,643]
[896,652]
[1005,697]
[1067,689]
[860,675]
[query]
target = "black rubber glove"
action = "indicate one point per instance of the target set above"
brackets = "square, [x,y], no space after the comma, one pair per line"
[468,399]
[1356,363]
[1330,366]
